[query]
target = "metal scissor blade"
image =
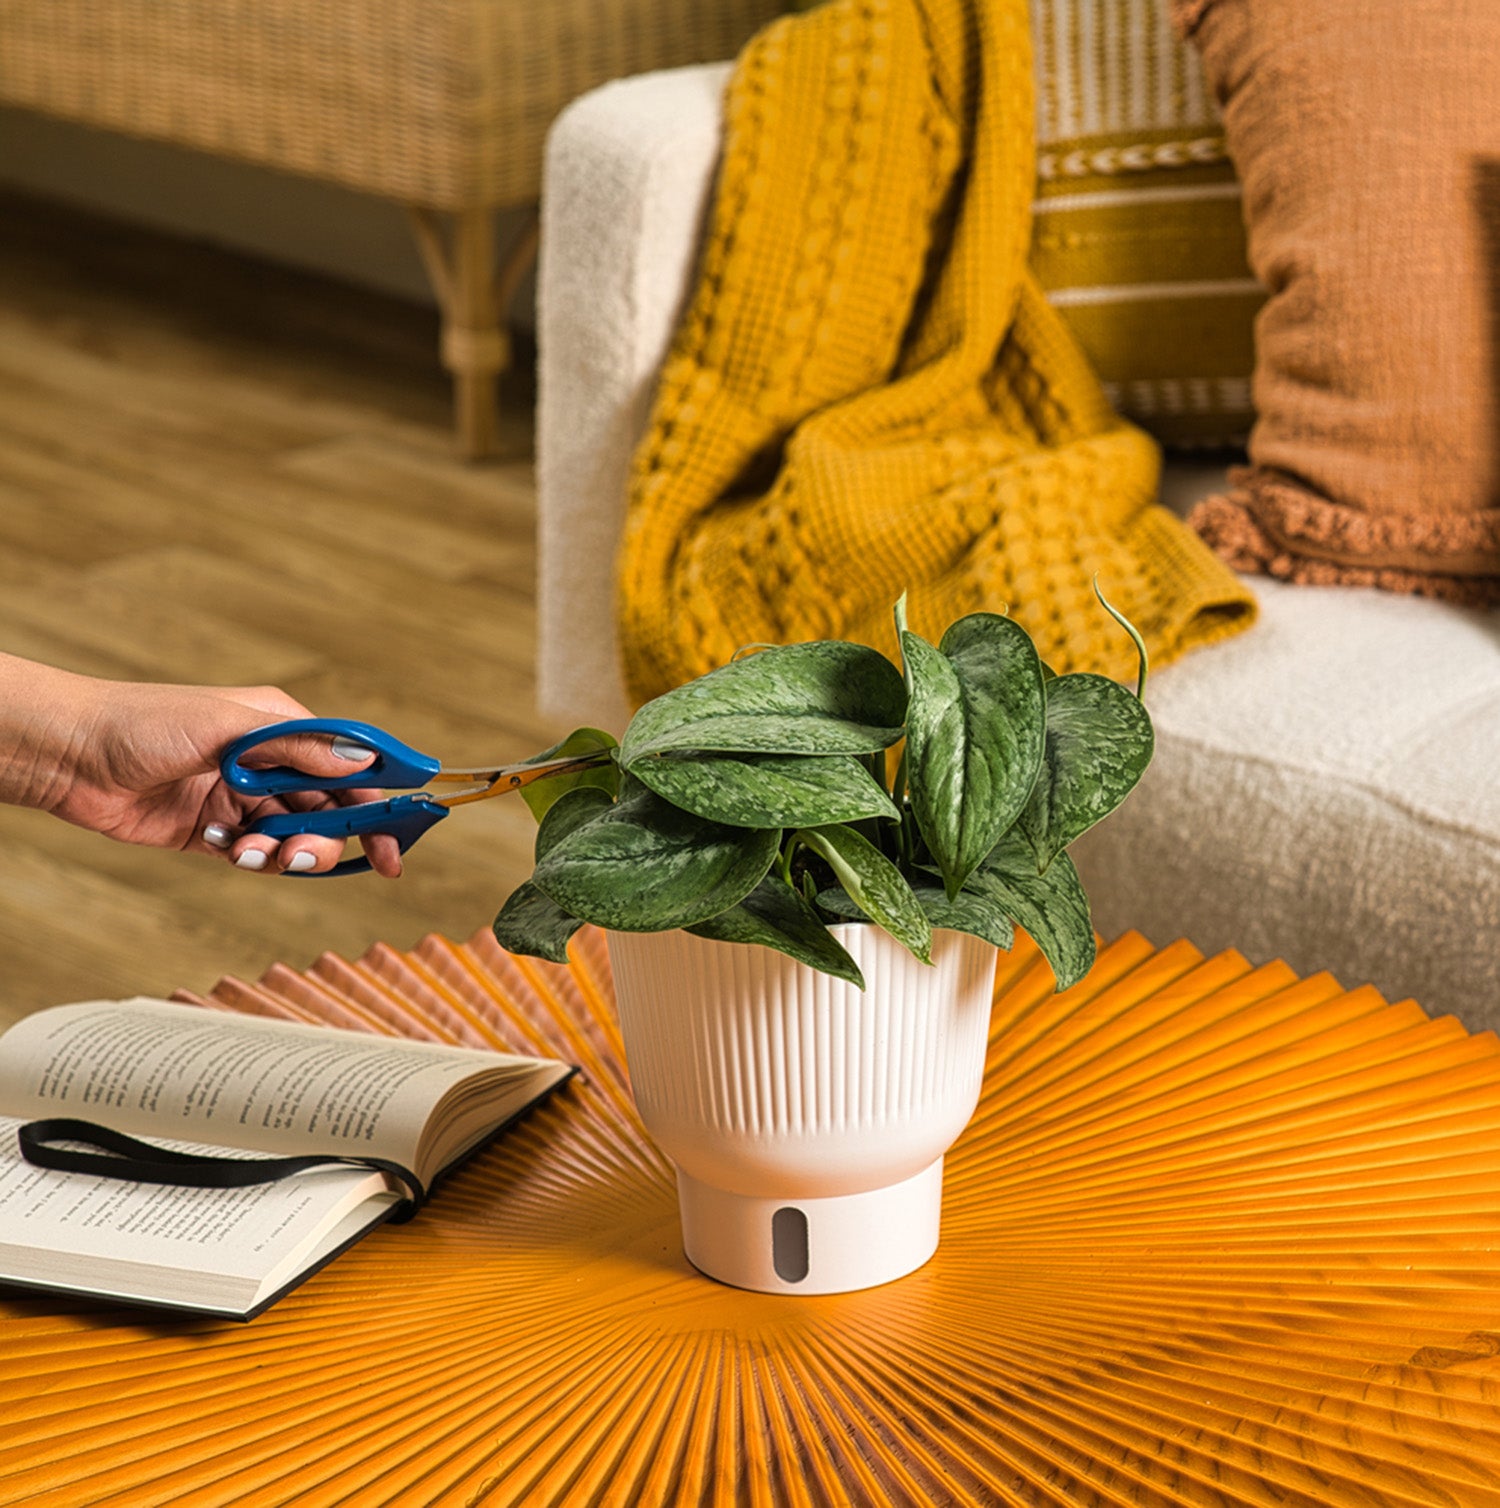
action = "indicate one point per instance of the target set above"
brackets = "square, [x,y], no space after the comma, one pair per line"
[499,781]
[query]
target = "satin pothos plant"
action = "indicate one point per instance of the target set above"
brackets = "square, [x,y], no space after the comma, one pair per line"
[807,784]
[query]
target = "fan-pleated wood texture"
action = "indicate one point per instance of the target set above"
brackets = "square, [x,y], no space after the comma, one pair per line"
[1216,1235]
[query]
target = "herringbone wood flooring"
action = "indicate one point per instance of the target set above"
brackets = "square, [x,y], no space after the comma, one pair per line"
[213,470]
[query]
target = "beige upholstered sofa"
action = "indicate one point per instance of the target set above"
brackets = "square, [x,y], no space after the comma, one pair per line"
[441,105]
[1324,788]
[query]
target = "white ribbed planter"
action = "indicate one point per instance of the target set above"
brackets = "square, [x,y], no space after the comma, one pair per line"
[807,1119]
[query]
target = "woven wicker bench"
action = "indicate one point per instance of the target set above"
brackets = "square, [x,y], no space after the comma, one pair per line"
[440,105]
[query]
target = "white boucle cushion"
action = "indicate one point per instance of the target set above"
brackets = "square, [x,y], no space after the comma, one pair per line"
[1323,791]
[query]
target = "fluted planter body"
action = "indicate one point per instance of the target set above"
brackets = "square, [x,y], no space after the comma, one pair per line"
[807,1119]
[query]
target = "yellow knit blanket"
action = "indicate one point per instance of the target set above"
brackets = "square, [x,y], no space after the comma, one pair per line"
[869,395]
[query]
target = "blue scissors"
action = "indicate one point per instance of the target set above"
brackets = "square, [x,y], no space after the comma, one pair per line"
[396,767]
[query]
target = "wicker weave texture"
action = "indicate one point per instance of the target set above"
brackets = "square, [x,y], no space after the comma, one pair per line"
[442,103]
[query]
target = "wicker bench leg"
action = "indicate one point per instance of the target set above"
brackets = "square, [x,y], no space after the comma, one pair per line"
[474,296]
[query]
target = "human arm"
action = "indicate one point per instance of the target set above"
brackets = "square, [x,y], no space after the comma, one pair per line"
[140,763]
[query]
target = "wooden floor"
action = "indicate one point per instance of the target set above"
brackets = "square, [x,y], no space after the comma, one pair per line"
[212,470]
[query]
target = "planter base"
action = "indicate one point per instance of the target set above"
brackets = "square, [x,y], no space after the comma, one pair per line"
[830,1245]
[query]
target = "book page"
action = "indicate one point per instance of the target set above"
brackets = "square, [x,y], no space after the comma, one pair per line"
[148,1067]
[76,1229]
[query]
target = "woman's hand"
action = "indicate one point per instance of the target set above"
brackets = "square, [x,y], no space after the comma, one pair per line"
[140,763]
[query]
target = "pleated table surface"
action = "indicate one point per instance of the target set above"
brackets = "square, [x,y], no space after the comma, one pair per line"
[1216,1235]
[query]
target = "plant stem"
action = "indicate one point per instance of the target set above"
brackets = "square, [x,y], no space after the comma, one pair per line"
[1142,658]
[872,828]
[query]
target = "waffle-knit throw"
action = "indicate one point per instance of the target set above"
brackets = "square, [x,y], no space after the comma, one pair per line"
[869,395]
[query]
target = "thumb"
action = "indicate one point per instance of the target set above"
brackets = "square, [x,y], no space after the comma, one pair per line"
[312,753]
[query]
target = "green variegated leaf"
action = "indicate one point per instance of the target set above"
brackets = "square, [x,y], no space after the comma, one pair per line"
[966,912]
[836,902]
[530,923]
[767,790]
[973,737]
[875,883]
[571,810]
[604,776]
[1051,907]
[1099,742]
[644,865]
[826,697]
[775,916]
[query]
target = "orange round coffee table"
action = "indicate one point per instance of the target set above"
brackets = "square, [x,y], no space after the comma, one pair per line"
[1216,1235]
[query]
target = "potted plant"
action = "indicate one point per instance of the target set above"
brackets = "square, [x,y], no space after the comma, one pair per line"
[806,861]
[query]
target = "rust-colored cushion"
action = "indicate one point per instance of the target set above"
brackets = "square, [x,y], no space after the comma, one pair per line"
[1367,138]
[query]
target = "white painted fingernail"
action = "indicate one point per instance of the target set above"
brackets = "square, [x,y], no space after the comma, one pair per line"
[216,835]
[252,858]
[346,748]
[302,861]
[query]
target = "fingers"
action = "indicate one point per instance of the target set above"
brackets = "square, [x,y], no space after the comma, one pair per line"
[303,853]
[300,853]
[306,854]
[384,854]
[218,836]
[312,753]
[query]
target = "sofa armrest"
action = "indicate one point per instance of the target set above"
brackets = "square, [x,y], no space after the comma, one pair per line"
[628,174]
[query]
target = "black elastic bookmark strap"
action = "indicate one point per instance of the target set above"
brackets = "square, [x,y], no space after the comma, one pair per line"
[141,1161]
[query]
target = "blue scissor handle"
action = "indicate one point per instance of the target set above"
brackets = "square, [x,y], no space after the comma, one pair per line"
[405,818]
[396,766]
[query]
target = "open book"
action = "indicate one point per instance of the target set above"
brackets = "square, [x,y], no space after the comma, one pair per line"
[199,1081]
